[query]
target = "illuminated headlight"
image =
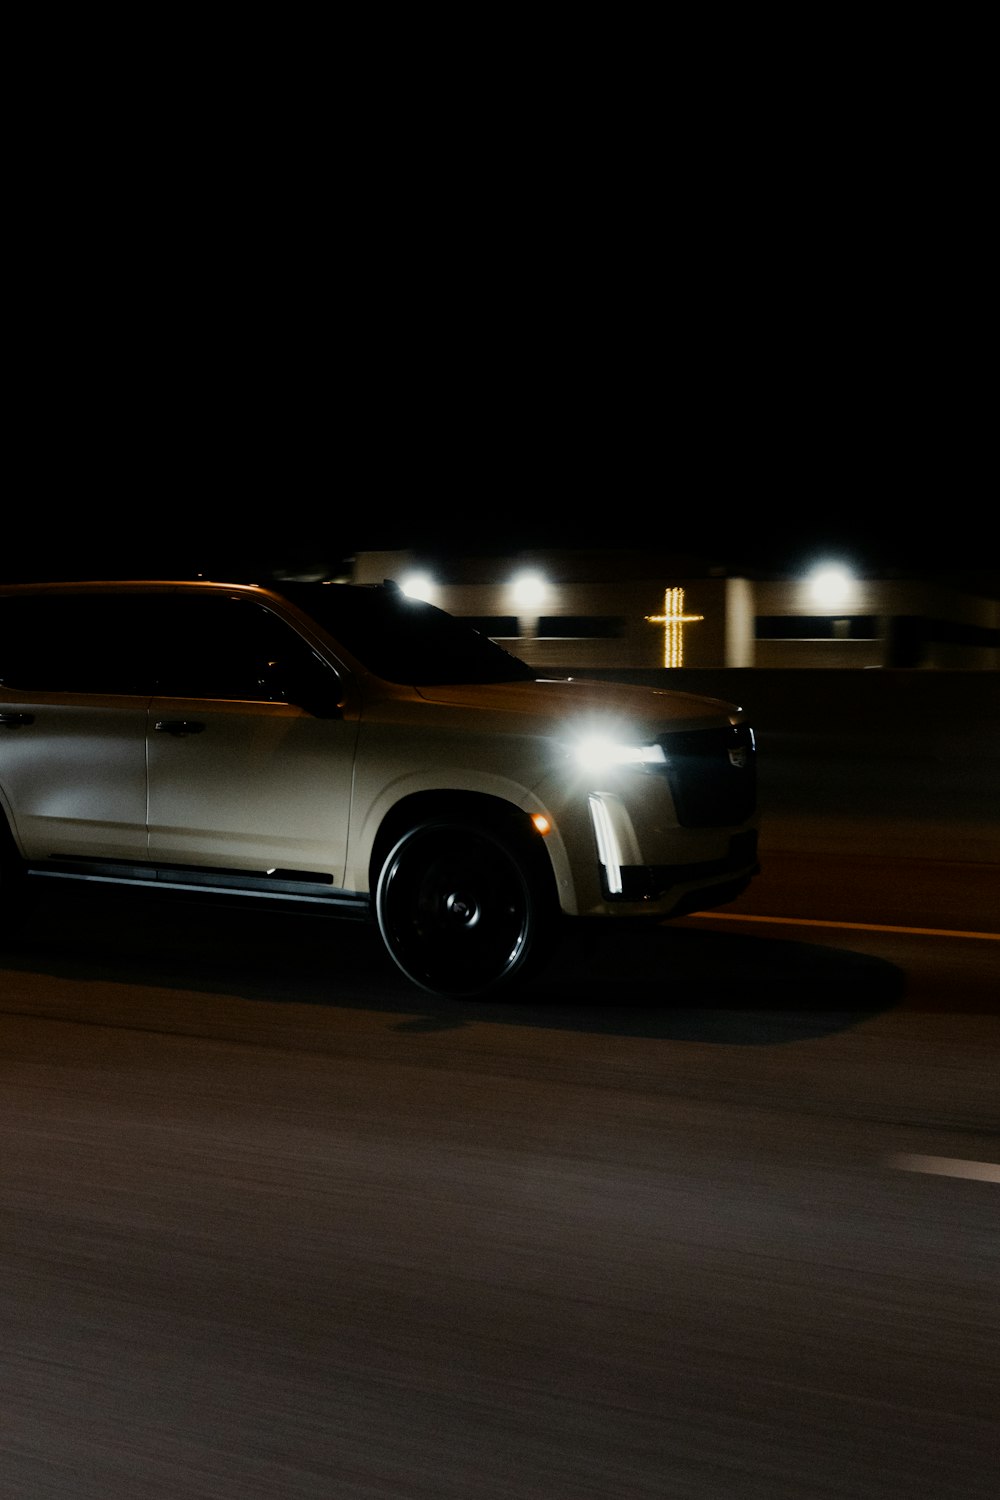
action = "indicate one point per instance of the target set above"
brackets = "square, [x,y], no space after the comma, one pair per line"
[601,752]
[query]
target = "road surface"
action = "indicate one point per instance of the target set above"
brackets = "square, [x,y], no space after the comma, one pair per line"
[710,1212]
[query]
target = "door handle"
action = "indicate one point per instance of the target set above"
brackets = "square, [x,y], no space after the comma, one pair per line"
[179,727]
[14,721]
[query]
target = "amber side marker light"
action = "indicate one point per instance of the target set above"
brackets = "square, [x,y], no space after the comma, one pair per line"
[542,823]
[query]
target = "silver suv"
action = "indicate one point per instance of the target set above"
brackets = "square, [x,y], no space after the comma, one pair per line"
[349,747]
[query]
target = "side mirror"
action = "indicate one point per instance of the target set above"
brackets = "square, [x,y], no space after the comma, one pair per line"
[311,685]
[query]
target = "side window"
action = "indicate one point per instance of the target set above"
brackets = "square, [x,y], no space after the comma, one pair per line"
[24,651]
[235,649]
[73,643]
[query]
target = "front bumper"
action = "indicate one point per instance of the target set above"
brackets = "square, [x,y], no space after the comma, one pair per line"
[653,882]
[667,889]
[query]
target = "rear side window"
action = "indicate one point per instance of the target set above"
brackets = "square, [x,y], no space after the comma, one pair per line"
[74,643]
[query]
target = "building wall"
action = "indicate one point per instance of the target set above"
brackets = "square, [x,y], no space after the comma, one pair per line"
[740,612]
[736,623]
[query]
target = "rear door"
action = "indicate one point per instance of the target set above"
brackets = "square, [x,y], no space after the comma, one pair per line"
[75,685]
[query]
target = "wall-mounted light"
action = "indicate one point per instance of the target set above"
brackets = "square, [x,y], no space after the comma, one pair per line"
[418,586]
[831,586]
[530,590]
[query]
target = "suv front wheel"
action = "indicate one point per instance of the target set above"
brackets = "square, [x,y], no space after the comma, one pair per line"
[464,910]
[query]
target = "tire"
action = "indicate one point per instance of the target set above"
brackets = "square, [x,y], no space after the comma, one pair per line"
[464,910]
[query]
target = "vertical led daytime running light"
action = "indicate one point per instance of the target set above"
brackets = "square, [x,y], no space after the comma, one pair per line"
[607,845]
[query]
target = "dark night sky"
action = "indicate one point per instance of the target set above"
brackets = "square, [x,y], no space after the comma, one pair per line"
[748,338]
[264,543]
[530,439]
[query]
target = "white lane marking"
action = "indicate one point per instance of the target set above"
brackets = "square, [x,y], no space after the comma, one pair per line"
[735,916]
[948,1166]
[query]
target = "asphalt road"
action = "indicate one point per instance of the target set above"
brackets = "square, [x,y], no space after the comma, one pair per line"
[710,1212]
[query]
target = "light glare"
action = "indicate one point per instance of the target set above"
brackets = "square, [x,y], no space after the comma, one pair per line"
[599,752]
[831,585]
[530,590]
[418,586]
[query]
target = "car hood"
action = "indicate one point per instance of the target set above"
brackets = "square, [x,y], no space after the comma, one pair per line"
[554,701]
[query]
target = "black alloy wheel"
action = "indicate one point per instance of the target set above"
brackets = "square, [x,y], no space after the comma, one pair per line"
[461,909]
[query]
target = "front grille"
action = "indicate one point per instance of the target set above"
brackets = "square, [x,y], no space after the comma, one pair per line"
[712,775]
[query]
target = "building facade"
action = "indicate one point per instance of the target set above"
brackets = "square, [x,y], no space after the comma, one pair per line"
[566,611]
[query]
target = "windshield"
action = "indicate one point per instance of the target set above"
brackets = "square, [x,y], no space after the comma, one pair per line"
[405,640]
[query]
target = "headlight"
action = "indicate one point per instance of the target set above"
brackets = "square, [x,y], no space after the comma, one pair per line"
[598,752]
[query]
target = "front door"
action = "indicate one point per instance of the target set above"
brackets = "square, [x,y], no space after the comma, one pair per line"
[250,754]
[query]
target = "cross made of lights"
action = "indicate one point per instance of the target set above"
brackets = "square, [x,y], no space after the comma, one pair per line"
[673,620]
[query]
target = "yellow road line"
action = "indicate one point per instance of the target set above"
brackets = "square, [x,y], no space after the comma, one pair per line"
[733,916]
[948,1166]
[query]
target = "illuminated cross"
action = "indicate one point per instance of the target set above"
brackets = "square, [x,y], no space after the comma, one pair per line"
[673,620]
